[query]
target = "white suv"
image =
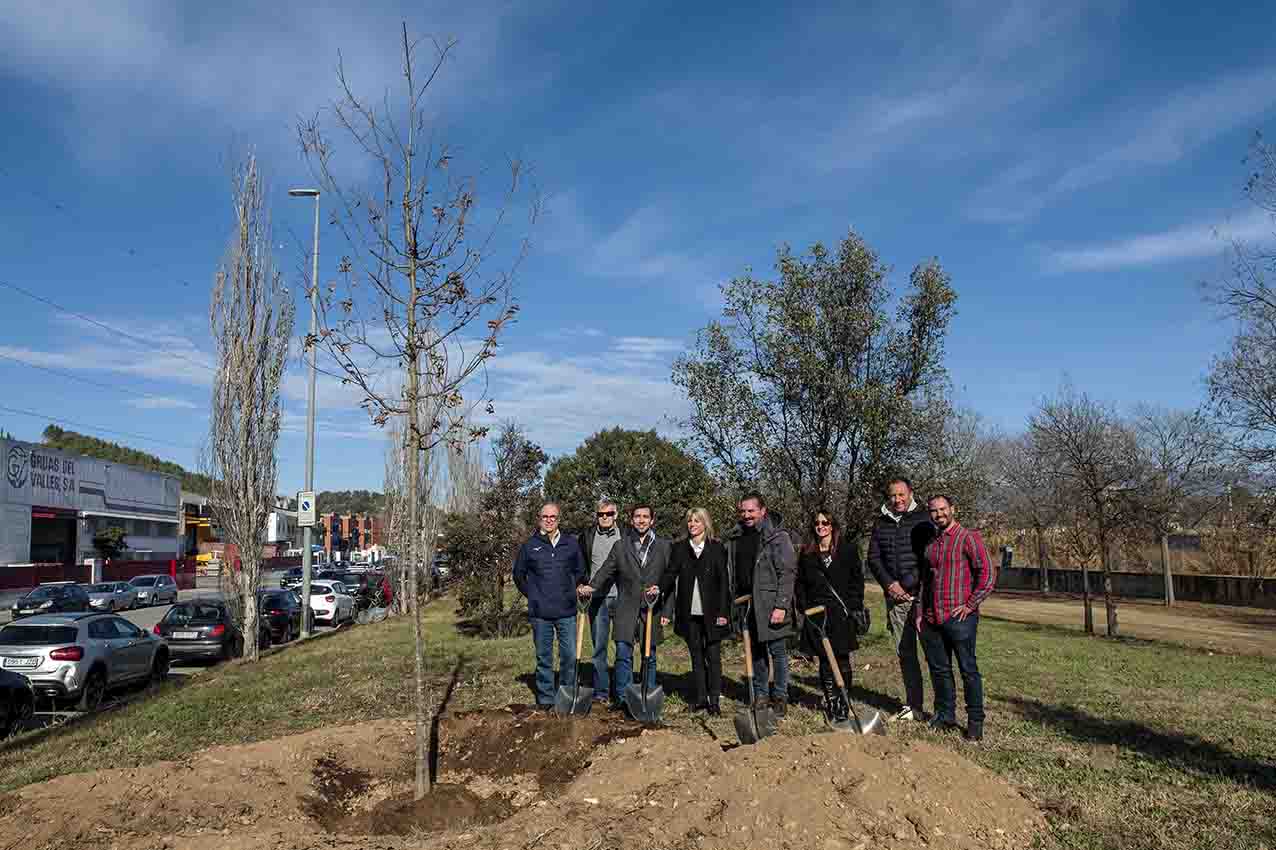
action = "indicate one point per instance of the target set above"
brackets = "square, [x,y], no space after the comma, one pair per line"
[79,657]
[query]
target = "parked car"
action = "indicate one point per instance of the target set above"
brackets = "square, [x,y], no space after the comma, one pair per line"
[79,658]
[53,598]
[281,611]
[156,589]
[331,601]
[205,628]
[17,703]
[111,596]
[291,578]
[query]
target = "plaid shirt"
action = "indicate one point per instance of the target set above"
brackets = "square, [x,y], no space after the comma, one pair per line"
[958,573]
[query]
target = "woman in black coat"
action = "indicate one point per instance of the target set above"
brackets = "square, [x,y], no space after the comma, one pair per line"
[698,568]
[830,573]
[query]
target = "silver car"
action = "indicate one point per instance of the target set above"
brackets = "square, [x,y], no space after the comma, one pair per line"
[157,589]
[80,657]
[112,596]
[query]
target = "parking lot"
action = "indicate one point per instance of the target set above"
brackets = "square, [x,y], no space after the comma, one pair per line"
[144,618]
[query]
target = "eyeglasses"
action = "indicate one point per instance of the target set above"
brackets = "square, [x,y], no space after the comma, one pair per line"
[822,522]
[602,514]
[549,516]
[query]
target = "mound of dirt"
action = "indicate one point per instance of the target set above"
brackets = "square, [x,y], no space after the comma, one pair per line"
[517,779]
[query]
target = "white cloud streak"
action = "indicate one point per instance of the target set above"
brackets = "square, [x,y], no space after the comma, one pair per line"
[1187,242]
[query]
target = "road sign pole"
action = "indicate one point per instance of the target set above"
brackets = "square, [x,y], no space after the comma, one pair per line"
[306,519]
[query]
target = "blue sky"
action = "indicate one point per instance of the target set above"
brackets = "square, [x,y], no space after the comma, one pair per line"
[1071,165]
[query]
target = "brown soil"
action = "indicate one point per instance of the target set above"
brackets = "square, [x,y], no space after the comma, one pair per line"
[515,779]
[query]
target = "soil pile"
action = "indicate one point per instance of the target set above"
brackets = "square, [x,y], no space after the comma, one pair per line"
[515,779]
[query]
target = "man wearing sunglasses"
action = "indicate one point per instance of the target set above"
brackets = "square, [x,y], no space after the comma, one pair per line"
[595,545]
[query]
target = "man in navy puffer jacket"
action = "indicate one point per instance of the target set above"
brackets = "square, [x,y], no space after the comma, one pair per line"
[548,569]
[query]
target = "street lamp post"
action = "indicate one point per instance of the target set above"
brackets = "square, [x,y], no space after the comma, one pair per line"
[307,553]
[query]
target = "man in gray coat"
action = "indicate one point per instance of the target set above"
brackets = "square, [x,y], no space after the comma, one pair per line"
[763,563]
[635,564]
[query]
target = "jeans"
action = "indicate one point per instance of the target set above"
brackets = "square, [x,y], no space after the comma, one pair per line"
[544,633]
[625,667]
[899,622]
[774,652]
[706,663]
[941,643]
[600,631]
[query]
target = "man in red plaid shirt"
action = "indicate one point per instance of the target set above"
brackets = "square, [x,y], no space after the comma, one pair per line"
[958,576]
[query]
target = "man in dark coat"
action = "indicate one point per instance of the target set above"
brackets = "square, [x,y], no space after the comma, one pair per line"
[548,570]
[762,561]
[896,555]
[636,564]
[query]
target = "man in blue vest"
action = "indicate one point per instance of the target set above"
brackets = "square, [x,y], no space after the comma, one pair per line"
[548,569]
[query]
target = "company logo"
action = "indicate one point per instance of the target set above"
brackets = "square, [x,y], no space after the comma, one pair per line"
[19,466]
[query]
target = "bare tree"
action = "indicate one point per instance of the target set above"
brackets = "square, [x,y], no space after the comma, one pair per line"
[1242,391]
[251,319]
[1093,455]
[1184,478]
[418,283]
[397,533]
[1031,496]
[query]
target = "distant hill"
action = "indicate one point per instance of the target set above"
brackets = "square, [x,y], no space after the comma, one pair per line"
[83,444]
[346,502]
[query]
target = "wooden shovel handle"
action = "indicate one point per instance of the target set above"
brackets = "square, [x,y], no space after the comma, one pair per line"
[748,655]
[743,599]
[811,612]
[646,646]
[837,671]
[580,633]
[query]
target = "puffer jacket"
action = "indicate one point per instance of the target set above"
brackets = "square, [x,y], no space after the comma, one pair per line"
[897,547]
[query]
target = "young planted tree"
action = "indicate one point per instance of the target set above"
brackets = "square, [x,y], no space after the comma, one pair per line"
[1031,496]
[421,308]
[1093,456]
[251,317]
[809,386]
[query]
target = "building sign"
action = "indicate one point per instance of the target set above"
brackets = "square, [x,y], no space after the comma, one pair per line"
[50,476]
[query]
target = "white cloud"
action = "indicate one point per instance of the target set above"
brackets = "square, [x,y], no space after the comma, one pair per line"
[562,400]
[1158,136]
[1186,242]
[161,403]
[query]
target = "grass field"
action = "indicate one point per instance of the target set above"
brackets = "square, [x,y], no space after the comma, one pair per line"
[1127,744]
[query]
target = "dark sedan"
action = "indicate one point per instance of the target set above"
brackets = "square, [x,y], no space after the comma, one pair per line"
[59,598]
[17,703]
[205,629]
[281,611]
[291,579]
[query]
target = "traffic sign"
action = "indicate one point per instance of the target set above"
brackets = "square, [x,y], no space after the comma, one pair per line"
[306,508]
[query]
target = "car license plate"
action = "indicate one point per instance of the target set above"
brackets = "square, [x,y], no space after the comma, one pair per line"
[185,635]
[26,661]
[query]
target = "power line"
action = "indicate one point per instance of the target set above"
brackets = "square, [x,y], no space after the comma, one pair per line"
[102,325]
[83,380]
[103,430]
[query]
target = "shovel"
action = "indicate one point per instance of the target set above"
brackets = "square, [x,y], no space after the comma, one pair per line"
[751,725]
[578,700]
[644,706]
[875,723]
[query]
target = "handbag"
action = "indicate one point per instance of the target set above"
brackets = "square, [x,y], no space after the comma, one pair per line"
[863,621]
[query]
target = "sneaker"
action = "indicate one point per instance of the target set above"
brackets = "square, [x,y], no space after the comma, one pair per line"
[905,714]
[974,732]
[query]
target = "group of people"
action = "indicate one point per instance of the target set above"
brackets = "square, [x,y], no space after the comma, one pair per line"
[933,571]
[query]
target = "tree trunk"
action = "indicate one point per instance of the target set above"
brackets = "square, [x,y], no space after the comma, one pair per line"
[252,650]
[1165,567]
[1041,561]
[1109,601]
[1085,597]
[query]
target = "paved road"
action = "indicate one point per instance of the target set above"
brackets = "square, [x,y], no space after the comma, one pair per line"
[1223,628]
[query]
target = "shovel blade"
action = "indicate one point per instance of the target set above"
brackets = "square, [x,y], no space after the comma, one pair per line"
[875,725]
[752,725]
[644,709]
[576,700]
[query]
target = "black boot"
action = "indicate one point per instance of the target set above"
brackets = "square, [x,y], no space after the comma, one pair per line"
[713,708]
[831,695]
